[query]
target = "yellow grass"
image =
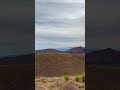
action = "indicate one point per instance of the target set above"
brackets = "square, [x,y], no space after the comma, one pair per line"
[57,83]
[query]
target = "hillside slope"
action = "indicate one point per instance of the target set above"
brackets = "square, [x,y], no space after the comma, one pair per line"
[58,64]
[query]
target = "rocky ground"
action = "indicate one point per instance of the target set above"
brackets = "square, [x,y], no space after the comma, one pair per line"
[58,83]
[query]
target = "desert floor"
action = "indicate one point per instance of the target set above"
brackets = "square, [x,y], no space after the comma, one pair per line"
[58,83]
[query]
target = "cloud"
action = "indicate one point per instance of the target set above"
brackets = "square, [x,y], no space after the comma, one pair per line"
[59,22]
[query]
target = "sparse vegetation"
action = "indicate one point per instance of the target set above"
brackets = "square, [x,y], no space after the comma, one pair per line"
[59,83]
[66,77]
[78,78]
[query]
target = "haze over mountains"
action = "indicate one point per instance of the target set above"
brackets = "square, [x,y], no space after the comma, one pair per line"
[64,48]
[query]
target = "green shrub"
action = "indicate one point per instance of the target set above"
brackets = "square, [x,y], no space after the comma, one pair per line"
[78,78]
[66,78]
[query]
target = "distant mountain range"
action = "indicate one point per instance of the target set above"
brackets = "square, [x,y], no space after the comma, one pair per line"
[29,59]
[76,50]
[105,56]
[63,50]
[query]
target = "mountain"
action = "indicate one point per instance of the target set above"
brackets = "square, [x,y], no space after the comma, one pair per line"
[48,51]
[104,56]
[22,59]
[76,50]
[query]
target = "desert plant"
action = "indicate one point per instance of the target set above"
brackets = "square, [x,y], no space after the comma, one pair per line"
[78,78]
[66,77]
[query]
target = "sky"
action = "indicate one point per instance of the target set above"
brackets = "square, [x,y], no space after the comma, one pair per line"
[59,23]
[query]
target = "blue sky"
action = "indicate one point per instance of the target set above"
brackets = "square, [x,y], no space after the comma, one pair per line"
[59,23]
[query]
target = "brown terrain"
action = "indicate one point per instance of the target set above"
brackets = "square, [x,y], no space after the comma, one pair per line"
[59,64]
[51,70]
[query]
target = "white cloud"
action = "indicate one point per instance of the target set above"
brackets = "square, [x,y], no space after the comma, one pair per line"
[59,23]
[61,1]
